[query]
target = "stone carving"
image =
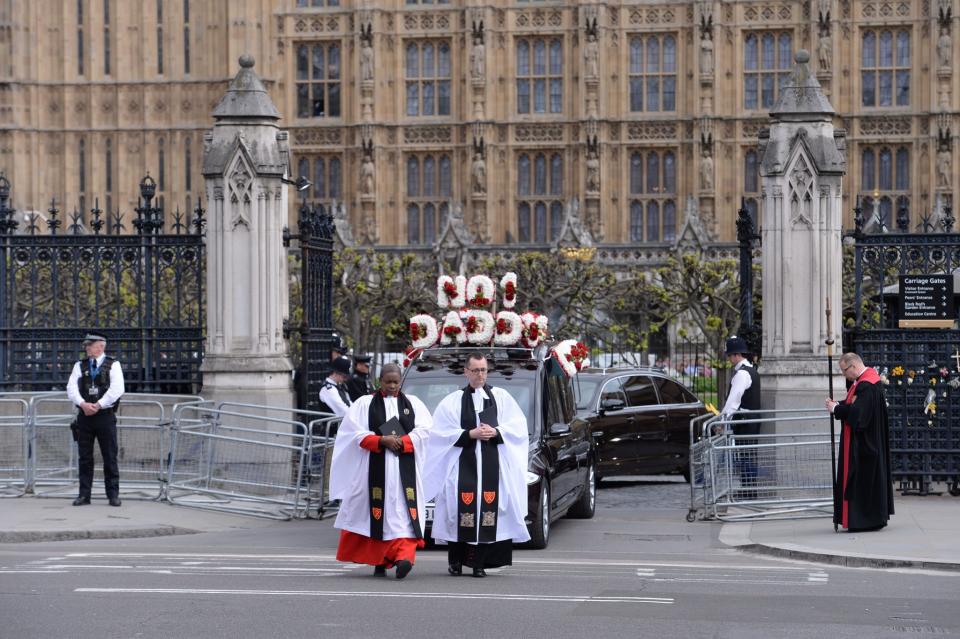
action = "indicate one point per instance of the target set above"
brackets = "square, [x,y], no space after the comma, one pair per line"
[341,222]
[944,155]
[651,130]
[801,194]
[706,51]
[573,231]
[478,171]
[825,46]
[478,55]
[539,132]
[706,169]
[593,164]
[885,125]
[945,48]
[366,52]
[591,51]
[367,170]
[318,137]
[426,134]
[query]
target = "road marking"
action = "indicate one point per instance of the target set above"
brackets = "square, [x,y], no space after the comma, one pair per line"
[392,595]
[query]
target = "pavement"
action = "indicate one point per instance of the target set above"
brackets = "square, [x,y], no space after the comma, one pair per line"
[922,534]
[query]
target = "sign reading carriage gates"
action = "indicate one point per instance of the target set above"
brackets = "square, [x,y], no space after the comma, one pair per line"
[926,301]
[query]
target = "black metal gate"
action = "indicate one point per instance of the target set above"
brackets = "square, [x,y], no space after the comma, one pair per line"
[924,439]
[143,290]
[315,226]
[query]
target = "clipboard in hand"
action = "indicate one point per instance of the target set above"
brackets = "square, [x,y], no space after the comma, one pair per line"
[392,427]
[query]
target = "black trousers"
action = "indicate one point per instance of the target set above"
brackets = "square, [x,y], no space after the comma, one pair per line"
[103,428]
[460,552]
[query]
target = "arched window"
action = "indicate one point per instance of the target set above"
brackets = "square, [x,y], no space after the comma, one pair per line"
[539,73]
[767,61]
[540,174]
[413,224]
[413,176]
[636,173]
[653,221]
[750,172]
[523,222]
[636,221]
[669,221]
[318,80]
[556,219]
[523,175]
[540,224]
[868,170]
[885,68]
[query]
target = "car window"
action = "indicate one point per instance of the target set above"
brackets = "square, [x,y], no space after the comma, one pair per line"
[431,390]
[613,390]
[640,391]
[672,392]
[566,400]
[553,402]
[584,390]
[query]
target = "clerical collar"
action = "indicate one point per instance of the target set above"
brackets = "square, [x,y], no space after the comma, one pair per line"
[385,394]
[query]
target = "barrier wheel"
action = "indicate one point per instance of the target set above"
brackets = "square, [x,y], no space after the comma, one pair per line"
[691,516]
[955,488]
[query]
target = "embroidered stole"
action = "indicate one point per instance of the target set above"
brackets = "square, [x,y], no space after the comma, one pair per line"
[376,480]
[467,479]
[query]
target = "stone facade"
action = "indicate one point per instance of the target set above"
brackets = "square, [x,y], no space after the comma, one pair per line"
[509,109]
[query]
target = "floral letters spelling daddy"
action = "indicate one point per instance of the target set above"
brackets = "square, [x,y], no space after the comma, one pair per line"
[468,319]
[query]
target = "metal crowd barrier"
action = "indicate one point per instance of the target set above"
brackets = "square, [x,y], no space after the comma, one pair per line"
[142,444]
[247,461]
[14,445]
[323,436]
[784,472]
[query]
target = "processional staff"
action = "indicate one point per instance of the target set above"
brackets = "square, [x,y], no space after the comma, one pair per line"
[833,436]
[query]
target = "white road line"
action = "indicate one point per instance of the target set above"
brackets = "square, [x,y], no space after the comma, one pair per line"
[251,568]
[401,595]
[205,554]
[33,572]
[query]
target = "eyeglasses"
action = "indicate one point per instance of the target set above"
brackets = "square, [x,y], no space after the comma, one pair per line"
[844,370]
[477,371]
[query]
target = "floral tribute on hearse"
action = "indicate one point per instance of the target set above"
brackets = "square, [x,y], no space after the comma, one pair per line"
[469,318]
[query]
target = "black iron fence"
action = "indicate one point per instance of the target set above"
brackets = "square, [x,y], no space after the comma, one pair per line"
[140,283]
[312,326]
[920,366]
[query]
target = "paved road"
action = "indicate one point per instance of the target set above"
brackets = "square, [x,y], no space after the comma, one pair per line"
[636,570]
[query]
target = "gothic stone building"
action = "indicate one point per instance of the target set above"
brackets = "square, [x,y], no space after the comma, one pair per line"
[612,121]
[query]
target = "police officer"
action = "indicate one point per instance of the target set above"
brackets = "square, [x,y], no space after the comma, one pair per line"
[359,383]
[334,397]
[95,387]
[338,349]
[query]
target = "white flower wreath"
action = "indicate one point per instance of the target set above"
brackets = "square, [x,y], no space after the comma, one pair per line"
[485,327]
[453,331]
[454,299]
[508,284]
[480,291]
[562,352]
[534,329]
[514,329]
[427,332]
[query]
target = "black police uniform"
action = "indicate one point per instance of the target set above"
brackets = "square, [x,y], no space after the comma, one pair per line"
[359,385]
[101,426]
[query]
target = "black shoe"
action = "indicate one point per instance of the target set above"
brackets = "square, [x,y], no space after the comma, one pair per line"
[81,501]
[379,571]
[479,572]
[114,501]
[455,569]
[403,568]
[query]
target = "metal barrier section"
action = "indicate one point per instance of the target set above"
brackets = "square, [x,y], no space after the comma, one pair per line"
[142,443]
[243,460]
[784,472]
[322,438]
[14,445]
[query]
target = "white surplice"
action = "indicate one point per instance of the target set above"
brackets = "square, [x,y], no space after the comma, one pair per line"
[443,466]
[351,463]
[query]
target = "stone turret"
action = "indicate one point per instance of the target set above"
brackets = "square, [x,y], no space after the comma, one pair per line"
[803,163]
[246,160]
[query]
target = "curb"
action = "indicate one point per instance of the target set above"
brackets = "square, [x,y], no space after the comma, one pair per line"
[847,561]
[30,536]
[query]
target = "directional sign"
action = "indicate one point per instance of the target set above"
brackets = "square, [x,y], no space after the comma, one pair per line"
[928,298]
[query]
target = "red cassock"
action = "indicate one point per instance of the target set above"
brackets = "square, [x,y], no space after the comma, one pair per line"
[375,552]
